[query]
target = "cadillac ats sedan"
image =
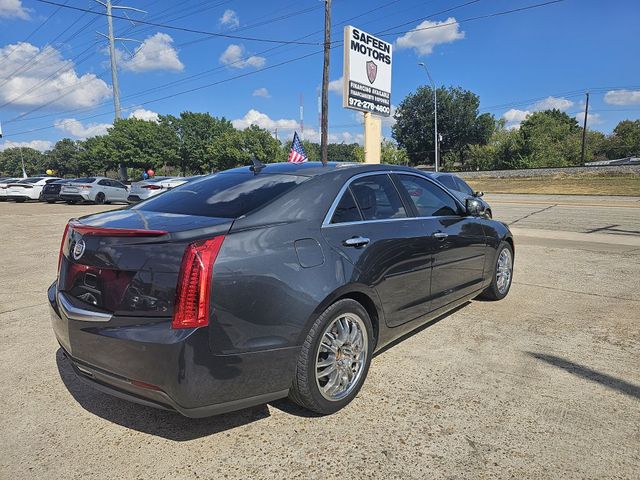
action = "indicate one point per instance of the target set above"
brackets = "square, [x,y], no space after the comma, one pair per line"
[264,282]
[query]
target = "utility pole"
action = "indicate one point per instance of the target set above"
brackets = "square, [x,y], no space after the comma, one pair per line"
[324,127]
[436,138]
[584,128]
[114,67]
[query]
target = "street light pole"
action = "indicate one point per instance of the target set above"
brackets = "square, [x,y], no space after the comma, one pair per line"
[435,115]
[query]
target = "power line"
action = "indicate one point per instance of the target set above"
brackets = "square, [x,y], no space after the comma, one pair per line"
[188,30]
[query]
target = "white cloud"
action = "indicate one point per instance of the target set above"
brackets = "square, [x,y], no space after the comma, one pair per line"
[254,117]
[515,117]
[592,119]
[622,97]
[230,19]
[261,92]
[13,9]
[32,86]
[234,57]
[336,85]
[143,114]
[155,53]
[286,127]
[41,145]
[551,103]
[427,35]
[77,129]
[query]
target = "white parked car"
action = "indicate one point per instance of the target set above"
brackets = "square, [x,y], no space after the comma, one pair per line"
[155,186]
[28,188]
[4,185]
[94,189]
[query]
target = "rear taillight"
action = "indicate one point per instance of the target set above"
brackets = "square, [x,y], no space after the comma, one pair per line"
[193,294]
[152,187]
[64,239]
[86,186]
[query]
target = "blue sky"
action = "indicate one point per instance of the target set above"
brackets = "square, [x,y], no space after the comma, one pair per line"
[55,81]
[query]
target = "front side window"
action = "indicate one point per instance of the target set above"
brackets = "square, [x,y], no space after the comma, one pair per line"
[429,199]
[464,187]
[377,198]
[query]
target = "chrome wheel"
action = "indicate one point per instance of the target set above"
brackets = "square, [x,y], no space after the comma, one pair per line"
[341,356]
[504,271]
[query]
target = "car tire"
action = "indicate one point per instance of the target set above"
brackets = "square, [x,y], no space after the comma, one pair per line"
[20,200]
[498,289]
[311,387]
[99,198]
[71,202]
[51,201]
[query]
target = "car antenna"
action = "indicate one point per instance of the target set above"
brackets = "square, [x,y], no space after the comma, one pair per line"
[257,165]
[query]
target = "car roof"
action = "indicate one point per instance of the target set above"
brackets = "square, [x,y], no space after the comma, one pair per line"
[312,169]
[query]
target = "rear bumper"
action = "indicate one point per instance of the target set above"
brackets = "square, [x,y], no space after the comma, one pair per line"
[15,197]
[73,197]
[134,199]
[50,196]
[154,365]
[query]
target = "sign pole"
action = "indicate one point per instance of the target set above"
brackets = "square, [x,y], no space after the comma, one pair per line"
[372,138]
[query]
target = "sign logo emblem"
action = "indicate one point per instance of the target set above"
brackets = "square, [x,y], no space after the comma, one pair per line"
[372,71]
[78,249]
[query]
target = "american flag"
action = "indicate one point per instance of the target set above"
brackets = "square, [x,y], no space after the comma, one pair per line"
[297,155]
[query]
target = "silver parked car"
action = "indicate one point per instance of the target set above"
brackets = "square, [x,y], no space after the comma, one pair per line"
[155,186]
[94,189]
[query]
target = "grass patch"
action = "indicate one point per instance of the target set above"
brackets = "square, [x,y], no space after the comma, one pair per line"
[576,184]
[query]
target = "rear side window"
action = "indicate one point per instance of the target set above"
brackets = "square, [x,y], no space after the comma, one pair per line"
[429,199]
[225,195]
[347,210]
[377,198]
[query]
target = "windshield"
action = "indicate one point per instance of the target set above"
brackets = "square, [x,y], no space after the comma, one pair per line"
[229,195]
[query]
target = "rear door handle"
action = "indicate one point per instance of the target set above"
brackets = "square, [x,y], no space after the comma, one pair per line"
[356,242]
[440,235]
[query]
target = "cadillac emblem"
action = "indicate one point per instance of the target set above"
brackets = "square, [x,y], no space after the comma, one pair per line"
[78,249]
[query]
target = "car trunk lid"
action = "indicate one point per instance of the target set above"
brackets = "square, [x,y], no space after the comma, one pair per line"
[127,262]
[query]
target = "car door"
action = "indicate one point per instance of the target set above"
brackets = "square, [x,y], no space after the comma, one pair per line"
[456,241]
[370,226]
[119,191]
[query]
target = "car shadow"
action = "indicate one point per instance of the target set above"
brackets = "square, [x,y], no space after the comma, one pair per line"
[419,329]
[162,423]
[589,374]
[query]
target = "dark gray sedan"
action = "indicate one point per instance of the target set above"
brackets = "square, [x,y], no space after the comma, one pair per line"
[263,282]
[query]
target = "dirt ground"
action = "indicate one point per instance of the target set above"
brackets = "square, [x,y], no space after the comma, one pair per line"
[545,384]
[575,184]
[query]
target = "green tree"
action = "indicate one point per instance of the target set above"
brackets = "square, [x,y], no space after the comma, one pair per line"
[342,152]
[624,141]
[458,123]
[140,144]
[260,143]
[64,158]
[11,161]
[195,132]
[392,154]
[225,151]
[550,138]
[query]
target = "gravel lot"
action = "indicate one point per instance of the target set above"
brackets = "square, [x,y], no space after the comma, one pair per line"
[545,384]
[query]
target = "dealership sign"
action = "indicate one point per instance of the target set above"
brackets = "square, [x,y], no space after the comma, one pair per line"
[367,72]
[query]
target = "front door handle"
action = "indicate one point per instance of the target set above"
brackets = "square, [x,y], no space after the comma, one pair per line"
[440,235]
[356,242]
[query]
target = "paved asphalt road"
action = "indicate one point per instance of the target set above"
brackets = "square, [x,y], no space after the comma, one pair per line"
[545,384]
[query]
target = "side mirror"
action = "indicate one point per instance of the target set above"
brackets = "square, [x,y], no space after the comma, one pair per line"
[474,207]
[478,194]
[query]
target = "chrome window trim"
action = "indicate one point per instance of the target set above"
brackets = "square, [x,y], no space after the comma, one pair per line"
[327,218]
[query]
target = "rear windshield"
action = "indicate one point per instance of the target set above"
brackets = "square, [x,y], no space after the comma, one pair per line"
[225,195]
[30,180]
[83,180]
